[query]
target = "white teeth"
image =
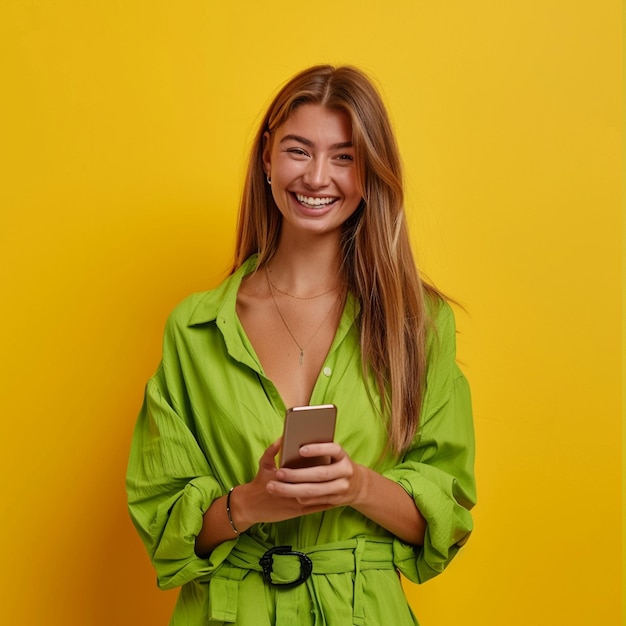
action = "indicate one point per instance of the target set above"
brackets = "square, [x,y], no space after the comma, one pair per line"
[314,201]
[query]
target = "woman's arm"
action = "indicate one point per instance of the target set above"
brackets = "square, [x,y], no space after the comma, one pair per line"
[390,506]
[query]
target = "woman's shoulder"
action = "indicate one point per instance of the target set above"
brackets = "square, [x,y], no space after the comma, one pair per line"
[204,306]
[438,310]
[187,308]
[441,331]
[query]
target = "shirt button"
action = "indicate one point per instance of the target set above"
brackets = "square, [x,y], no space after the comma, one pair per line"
[327,371]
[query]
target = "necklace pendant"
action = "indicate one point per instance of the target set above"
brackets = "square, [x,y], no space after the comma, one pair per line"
[301,356]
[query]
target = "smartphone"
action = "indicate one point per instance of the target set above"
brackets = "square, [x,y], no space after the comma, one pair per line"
[307,424]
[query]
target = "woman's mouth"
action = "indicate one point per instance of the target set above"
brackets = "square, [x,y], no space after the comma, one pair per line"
[314,203]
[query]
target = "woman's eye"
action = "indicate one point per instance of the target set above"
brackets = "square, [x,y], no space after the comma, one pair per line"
[345,157]
[297,152]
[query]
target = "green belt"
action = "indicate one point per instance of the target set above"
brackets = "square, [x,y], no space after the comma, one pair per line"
[352,555]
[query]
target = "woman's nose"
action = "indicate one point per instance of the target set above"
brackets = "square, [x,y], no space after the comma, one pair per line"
[317,173]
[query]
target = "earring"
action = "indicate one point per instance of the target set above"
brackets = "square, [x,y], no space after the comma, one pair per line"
[269,180]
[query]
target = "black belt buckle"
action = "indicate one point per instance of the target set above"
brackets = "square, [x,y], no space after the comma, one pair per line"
[266,562]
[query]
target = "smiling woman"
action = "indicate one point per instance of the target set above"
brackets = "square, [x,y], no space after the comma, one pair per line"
[324,306]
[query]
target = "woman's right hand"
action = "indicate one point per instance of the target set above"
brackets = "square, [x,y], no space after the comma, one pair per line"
[252,503]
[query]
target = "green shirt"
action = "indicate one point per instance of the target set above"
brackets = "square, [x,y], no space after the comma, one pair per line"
[210,412]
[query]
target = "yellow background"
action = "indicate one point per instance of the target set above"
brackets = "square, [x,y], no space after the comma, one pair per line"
[124,127]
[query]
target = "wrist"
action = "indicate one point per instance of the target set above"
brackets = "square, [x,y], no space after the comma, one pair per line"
[363,475]
[229,512]
[238,512]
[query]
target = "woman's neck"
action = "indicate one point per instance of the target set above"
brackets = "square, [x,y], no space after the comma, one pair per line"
[305,268]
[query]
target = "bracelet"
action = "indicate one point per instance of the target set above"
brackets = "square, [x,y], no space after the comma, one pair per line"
[230,517]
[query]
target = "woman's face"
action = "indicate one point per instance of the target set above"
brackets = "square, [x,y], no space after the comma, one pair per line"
[311,162]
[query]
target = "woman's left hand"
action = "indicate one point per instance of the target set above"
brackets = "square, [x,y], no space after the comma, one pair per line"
[341,483]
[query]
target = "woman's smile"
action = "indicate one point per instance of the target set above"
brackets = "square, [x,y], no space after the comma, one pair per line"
[311,206]
[310,201]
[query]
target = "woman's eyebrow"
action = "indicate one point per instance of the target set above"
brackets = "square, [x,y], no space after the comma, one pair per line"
[310,144]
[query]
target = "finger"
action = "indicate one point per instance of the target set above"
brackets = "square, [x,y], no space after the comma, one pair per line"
[322,503]
[315,474]
[316,507]
[331,449]
[267,460]
[308,492]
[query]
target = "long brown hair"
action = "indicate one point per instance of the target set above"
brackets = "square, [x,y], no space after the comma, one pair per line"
[376,253]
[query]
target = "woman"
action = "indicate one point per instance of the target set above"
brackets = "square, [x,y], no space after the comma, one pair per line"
[324,305]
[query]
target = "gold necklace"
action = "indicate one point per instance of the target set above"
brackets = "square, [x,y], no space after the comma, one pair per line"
[284,321]
[291,295]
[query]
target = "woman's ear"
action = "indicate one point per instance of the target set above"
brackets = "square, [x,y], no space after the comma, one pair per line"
[267,151]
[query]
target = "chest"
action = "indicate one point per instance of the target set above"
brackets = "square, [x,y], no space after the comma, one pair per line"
[291,339]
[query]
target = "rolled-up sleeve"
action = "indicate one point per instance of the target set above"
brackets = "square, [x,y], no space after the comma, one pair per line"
[438,469]
[170,484]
